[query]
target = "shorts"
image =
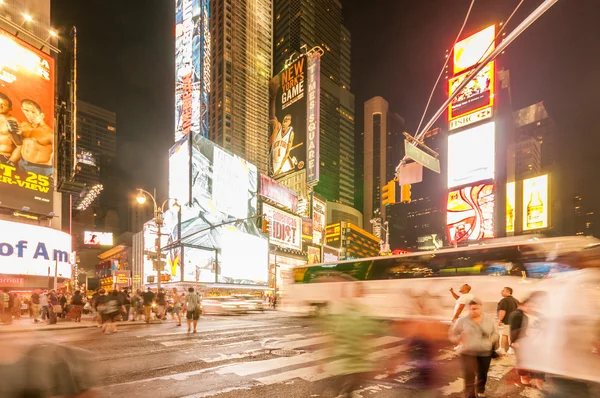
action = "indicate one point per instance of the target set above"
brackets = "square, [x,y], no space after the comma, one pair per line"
[110,317]
[504,330]
[193,315]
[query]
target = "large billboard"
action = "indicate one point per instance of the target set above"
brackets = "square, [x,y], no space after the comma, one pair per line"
[93,238]
[471,155]
[179,171]
[472,50]
[319,218]
[510,207]
[26,126]
[278,193]
[470,213]
[192,67]
[535,203]
[287,120]
[285,228]
[313,118]
[477,95]
[33,250]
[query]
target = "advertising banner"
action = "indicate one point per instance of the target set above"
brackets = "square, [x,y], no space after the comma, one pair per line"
[307,229]
[122,278]
[470,213]
[312,117]
[86,157]
[179,171]
[330,254]
[26,126]
[430,242]
[33,250]
[535,203]
[472,50]
[471,155]
[476,96]
[286,228]
[278,193]
[97,238]
[510,207]
[314,254]
[319,217]
[287,120]
[192,67]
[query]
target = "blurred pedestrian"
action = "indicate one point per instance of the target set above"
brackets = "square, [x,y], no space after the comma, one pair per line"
[76,307]
[177,304]
[506,306]
[6,302]
[148,298]
[462,301]
[16,310]
[161,304]
[44,305]
[62,301]
[126,304]
[54,307]
[476,335]
[112,308]
[35,306]
[98,300]
[192,308]
[138,305]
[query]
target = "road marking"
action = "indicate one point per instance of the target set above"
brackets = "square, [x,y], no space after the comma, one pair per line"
[178,377]
[454,387]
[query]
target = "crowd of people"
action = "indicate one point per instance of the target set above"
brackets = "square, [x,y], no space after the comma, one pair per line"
[46,305]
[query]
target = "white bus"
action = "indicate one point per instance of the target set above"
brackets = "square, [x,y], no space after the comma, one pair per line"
[417,285]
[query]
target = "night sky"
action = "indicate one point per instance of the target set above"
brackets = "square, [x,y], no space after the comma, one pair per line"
[126,51]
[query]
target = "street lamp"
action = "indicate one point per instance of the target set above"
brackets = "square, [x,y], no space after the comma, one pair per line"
[158,220]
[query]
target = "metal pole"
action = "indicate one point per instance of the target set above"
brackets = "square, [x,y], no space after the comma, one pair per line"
[55,274]
[387,237]
[545,6]
[158,221]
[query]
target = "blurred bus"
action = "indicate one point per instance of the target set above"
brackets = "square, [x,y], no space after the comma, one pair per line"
[416,285]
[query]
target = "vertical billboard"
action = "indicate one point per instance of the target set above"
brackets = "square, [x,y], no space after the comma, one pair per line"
[477,95]
[472,50]
[471,155]
[510,207]
[26,126]
[192,67]
[312,117]
[287,120]
[535,203]
[470,213]
[319,218]
[314,254]
[285,228]
[179,171]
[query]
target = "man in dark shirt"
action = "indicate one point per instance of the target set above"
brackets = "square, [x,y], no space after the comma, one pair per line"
[126,304]
[505,307]
[161,304]
[148,297]
[35,306]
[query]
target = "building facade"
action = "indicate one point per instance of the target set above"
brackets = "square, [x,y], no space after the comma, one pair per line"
[299,26]
[242,54]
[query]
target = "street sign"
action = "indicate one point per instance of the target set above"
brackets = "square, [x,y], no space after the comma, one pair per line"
[421,157]
[158,265]
[409,173]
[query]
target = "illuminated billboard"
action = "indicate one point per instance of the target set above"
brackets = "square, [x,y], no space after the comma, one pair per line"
[477,95]
[470,213]
[285,228]
[313,118]
[192,67]
[287,120]
[471,155]
[86,157]
[319,218]
[510,207]
[535,203]
[472,50]
[314,254]
[33,250]
[26,126]
[97,238]
[278,193]
[179,171]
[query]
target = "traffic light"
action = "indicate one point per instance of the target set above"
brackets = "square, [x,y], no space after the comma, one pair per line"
[266,225]
[388,193]
[405,193]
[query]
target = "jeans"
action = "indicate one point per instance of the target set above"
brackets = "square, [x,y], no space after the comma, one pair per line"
[472,366]
[126,313]
[45,312]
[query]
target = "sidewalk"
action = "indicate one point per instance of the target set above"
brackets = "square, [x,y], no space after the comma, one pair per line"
[26,324]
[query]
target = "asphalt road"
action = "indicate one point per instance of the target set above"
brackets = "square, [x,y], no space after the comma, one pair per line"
[259,355]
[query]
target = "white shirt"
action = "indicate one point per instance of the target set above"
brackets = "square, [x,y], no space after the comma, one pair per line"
[464,299]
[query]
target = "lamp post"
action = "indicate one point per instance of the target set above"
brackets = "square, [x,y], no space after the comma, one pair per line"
[158,220]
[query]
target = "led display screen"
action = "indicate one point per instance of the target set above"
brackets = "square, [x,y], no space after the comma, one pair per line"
[179,171]
[470,213]
[477,95]
[510,207]
[472,50]
[33,250]
[26,126]
[471,155]
[535,203]
[91,238]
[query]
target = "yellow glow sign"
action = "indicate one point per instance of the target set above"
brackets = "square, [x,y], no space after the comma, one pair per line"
[535,203]
[510,207]
[474,49]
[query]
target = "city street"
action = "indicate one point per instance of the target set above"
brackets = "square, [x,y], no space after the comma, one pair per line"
[253,355]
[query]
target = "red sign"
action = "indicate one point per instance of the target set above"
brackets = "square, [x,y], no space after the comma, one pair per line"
[470,213]
[12,282]
[280,194]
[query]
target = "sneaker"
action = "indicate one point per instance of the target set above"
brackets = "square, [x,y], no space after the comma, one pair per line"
[511,351]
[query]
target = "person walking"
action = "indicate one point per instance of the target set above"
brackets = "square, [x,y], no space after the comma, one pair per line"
[177,301]
[6,307]
[112,308]
[161,304]
[44,305]
[126,304]
[148,298]
[192,308]
[505,307]
[35,306]
[16,309]
[76,307]
[54,308]
[476,334]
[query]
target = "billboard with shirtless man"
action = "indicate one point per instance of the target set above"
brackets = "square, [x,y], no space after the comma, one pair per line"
[287,120]
[26,126]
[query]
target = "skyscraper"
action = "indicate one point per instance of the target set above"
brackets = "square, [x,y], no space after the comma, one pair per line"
[299,26]
[242,55]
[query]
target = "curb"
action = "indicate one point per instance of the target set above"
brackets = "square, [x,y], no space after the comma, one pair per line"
[51,328]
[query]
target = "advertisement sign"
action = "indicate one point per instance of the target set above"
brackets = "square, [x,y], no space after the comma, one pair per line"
[278,193]
[122,278]
[85,157]
[472,50]
[97,238]
[26,126]
[535,203]
[179,171]
[285,229]
[476,96]
[510,207]
[330,254]
[471,155]
[33,250]
[12,282]
[312,116]
[471,118]
[319,217]
[307,229]
[470,213]
[430,242]
[192,67]
[287,120]
[314,254]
